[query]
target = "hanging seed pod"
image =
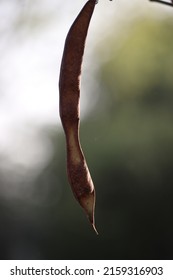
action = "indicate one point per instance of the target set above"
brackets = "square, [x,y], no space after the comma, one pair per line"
[69,87]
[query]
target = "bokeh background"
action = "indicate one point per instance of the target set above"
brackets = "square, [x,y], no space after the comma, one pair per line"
[126,132]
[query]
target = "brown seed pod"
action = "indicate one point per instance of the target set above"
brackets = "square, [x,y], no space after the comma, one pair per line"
[69,87]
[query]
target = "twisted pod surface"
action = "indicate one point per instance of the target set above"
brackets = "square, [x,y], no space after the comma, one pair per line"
[69,88]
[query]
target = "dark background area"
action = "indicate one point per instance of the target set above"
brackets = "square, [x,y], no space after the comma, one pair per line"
[127,138]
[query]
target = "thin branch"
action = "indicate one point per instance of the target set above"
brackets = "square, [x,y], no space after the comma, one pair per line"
[162,2]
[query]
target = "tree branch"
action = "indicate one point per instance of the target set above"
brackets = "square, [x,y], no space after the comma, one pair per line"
[163,2]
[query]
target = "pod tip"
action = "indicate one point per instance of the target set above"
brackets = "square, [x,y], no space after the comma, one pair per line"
[94,227]
[92,220]
[88,204]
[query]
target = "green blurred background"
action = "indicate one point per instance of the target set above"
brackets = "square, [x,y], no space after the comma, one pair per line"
[127,136]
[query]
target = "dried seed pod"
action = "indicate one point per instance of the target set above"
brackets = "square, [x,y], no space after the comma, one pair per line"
[69,87]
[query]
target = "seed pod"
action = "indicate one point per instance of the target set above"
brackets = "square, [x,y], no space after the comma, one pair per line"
[69,87]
